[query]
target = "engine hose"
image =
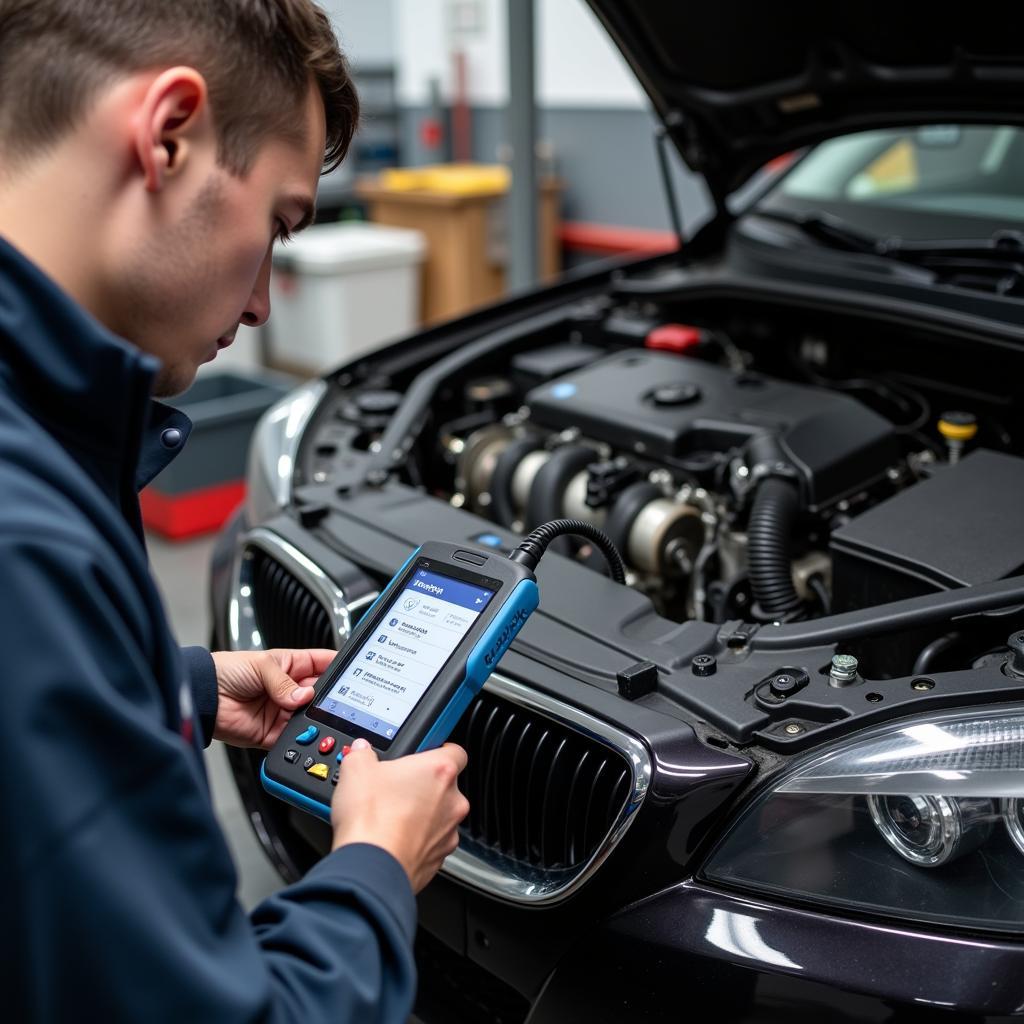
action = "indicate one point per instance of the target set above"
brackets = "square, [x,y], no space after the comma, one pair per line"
[769,546]
[935,650]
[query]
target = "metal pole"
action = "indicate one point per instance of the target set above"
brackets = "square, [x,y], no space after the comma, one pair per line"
[522,129]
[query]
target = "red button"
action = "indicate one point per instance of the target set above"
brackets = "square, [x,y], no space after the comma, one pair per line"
[345,751]
[678,338]
[326,745]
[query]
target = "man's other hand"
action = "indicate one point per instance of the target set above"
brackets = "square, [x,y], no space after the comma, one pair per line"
[410,806]
[257,692]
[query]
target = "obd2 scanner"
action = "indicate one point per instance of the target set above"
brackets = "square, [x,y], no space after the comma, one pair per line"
[416,660]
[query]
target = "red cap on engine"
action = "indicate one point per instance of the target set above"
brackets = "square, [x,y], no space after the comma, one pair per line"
[677,338]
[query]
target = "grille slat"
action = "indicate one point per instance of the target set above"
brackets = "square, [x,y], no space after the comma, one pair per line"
[588,816]
[618,794]
[551,794]
[539,763]
[487,759]
[550,829]
[574,815]
[517,797]
[498,771]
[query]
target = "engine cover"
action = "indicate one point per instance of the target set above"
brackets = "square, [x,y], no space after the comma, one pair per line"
[666,406]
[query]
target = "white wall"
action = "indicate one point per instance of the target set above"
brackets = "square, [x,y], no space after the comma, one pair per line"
[577,64]
[366,29]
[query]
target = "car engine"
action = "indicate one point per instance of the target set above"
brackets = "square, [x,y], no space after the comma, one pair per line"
[729,464]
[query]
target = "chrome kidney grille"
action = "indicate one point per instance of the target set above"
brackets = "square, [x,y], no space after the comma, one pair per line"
[540,793]
[287,613]
[551,788]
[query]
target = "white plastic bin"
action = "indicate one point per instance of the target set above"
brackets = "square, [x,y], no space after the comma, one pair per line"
[341,290]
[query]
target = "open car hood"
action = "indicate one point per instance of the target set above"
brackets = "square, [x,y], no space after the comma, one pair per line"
[737,83]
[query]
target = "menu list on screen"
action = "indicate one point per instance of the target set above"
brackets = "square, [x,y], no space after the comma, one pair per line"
[404,653]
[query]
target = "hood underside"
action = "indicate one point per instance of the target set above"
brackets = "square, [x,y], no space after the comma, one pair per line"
[737,83]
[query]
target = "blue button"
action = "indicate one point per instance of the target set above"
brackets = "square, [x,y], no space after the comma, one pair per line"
[307,735]
[492,540]
[341,754]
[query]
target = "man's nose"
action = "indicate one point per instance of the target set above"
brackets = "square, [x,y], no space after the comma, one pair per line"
[257,309]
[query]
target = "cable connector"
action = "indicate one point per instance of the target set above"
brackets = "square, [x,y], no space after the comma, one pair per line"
[532,548]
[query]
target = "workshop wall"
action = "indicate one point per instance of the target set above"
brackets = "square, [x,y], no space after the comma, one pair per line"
[592,113]
[594,119]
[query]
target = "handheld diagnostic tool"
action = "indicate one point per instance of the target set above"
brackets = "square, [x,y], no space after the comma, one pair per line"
[409,669]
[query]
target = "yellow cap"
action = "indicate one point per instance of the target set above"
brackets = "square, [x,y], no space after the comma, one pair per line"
[958,426]
[448,179]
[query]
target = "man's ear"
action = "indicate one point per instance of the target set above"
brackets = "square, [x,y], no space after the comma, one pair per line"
[172,114]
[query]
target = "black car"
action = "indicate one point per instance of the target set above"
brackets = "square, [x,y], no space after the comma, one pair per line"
[780,774]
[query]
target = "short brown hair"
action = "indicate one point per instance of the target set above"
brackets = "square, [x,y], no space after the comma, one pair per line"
[258,58]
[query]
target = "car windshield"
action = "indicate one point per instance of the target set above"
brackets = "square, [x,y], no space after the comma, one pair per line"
[938,182]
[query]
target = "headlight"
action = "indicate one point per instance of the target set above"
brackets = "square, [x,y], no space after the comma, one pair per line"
[275,442]
[1013,815]
[919,819]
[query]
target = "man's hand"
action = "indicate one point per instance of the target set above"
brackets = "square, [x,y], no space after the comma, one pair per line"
[258,691]
[410,806]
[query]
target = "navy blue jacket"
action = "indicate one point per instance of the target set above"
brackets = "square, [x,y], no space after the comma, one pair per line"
[117,890]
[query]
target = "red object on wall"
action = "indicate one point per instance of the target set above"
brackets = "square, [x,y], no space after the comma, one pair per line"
[611,239]
[431,133]
[178,516]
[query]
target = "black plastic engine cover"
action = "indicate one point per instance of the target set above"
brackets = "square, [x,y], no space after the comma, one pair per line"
[954,530]
[666,406]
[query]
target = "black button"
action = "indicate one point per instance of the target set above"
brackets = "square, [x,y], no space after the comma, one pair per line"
[783,685]
[171,437]
[676,394]
[335,775]
[469,556]
[308,763]
[291,756]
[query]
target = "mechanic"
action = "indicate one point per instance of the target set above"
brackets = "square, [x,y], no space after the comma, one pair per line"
[150,154]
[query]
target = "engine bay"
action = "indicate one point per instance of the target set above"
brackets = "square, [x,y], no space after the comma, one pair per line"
[729,455]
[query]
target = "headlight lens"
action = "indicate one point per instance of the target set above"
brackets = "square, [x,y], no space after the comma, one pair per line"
[1013,816]
[921,819]
[931,830]
[272,451]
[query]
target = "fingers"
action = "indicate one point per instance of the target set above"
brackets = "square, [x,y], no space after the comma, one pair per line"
[360,753]
[453,842]
[458,756]
[304,665]
[279,674]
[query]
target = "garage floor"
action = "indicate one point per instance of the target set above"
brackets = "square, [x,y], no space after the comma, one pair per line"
[182,572]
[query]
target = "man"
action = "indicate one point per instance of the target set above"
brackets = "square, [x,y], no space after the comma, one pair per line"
[150,154]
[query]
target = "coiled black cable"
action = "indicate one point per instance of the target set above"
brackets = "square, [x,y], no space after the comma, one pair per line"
[769,546]
[533,545]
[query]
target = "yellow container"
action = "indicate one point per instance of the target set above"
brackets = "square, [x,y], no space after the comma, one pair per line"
[448,179]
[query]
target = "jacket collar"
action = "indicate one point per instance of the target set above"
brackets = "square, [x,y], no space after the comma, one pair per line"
[87,386]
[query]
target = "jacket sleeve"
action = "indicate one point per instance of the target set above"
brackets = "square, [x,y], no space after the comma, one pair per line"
[119,901]
[202,675]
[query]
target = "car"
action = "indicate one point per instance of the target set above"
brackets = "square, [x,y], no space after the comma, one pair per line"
[778,774]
